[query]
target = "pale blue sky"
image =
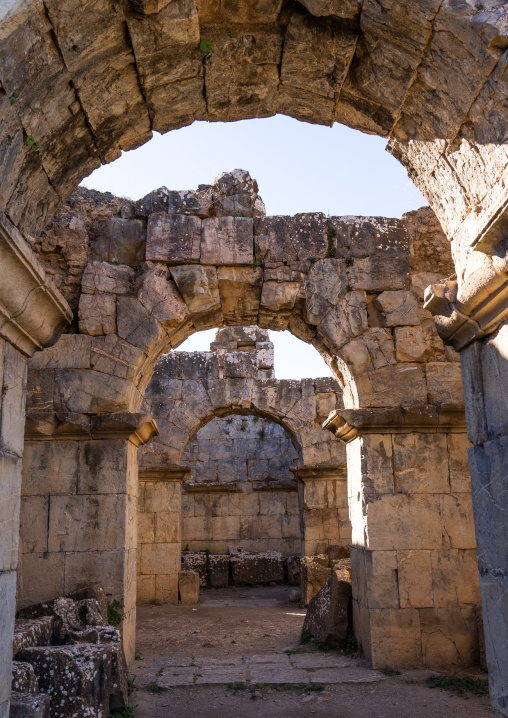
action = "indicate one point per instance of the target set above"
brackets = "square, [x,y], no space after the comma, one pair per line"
[299,168]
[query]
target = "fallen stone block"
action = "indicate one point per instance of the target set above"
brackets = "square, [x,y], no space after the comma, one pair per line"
[218,571]
[32,632]
[24,679]
[188,587]
[335,553]
[196,562]
[328,613]
[293,570]
[82,680]
[256,568]
[315,572]
[26,705]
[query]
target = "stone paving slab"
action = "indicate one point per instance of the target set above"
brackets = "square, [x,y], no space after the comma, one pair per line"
[269,669]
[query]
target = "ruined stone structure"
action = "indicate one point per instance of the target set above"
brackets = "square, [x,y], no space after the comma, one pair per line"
[80,81]
[239,489]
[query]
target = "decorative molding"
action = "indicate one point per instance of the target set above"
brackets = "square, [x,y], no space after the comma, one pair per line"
[320,472]
[474,312]
[210,488]
[348,424]
[33,313]
[177,474]
[59,426]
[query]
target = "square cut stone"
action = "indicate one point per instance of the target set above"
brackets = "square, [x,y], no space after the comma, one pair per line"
[173,238]
[227,240]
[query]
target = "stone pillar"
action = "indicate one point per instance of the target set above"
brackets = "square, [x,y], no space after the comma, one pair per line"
[413,557]
[79,507]
[324,507]
[159,533]
[32,316]
[471,317]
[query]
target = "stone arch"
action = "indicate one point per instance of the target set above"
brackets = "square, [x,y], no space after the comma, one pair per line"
[392,71]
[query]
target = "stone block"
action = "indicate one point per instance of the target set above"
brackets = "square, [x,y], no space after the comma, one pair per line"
[115,570]
[197,562]
[23,678]
[227,240]
[166,588]
[167,527]
[146,527]
[314,573]
[30,632]
[449,637]
[136,325]
[240,293]
[107,466]
[226,528]
[315,494]
[43,577]
[455,580]
[293,570]
[379,274]
[400,385]
[252,569]
[92,523]
[173,238]
[283,239]
[209,505]
[417,343]
[160,558]
[458,522]
[198,286]
[50,467]
[197,527]
[33,524]
[395,637]
[460,478]
[188,587]
[243,504]
[219,571]
[162,495]
[404,521]
[97,314]
[272,503]
[121,241]
[380,571]
[327,616]
[420,463]
[444,382]
[29,706]
[259,527]
[145,588]
[290,526]
[106,278]
[415,579]
[399,308]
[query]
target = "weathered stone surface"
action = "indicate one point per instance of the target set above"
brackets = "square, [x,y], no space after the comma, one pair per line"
[219,571]
[327,616]
[33,632]
[29,706]
[227,240]
[188,587]
[23,678]
[198,286]
[173,238]
[397,308]
[252,569]
[314,573]
[198,563]
[120,241]
[97,314]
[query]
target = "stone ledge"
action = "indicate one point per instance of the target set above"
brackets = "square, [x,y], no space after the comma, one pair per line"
[348,424]
[170,473]
[60,426]
[211,488]
[320,472]
[33,313]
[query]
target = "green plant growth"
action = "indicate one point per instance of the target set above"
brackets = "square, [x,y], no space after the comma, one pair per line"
[332,244]
[32,143]
[350,644]
[14,98]
[257,262]
[130,685]
[262,433]
[155,602]
[137,655]
[386,671]
[461,686]
[205,46]
[115,612]
[313,260]
[305,636]
[365,255]
[126,712]
[255,419]
[155,688]
[349,262]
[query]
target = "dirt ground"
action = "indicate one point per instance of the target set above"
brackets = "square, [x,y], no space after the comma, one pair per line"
[238,655]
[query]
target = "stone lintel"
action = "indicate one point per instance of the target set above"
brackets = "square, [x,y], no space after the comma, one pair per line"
[348,424]
[274,486]
[170,473]
[475,311]
[33,313]
[212,488]
[60,426]
[319,472]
